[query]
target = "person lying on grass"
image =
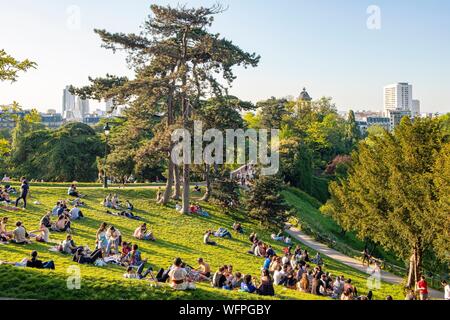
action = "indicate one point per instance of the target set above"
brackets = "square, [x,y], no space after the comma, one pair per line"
[141,233]
[83,257]
[138,274]
[32,262]
[126,214]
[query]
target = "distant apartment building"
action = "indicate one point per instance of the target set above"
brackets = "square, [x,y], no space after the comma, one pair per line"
[396,116]
[8,121]
[365,123]
[91,119]
[52,120]
[398,97]
[415,109]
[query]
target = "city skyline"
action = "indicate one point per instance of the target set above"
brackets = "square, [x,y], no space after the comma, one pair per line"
[325,47]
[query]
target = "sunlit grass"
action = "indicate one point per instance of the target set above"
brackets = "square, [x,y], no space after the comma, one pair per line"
[177,236]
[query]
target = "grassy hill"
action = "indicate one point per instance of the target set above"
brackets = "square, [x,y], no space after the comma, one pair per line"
[177,236]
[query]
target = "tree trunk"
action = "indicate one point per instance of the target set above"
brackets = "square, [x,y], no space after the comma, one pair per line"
[177,192]
[186,116]
[208,191]
[170,120]
[415,266]
[166,195]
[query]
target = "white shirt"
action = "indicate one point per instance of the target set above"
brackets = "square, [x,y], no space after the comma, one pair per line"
[447,292]
[277,276]
[75,213]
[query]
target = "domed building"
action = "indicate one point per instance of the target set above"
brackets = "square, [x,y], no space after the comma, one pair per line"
[304,96]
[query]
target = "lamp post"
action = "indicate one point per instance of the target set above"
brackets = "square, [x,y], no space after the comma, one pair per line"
[106,130]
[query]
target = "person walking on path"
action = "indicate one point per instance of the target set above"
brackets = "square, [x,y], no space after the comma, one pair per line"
[24,192]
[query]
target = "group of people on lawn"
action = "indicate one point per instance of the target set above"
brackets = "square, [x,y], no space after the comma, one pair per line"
[292,269]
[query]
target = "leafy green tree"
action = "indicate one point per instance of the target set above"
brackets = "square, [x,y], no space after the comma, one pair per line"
[10,67]
[176,61]
[266,204]
[225,192]
[396,192]
[353,134]
[272,112]
[221,113]
[66,154]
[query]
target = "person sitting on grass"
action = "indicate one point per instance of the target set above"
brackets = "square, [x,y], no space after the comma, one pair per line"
[41,235]
[4,234]
[82,257]
[62,224]
[134,258]
[73,192]
[76,213]
[219,278]
[303,284]
[206,238]
[178,277]
[130,206]
[141,233]
[247,285]
[20,235]
[115,201]
[138,274]
[126,249]
[266,286]
[318,259]
[237,280]
[238,228]
[204,268]
[69,246]
[107,202]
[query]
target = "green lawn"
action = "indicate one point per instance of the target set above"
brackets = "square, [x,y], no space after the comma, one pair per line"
[177,235]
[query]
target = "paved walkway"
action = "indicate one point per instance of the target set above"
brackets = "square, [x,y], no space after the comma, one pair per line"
[348,261]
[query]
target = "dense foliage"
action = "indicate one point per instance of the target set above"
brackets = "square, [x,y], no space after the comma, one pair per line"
[397,193]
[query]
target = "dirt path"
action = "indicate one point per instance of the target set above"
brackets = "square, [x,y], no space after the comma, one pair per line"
[348,261]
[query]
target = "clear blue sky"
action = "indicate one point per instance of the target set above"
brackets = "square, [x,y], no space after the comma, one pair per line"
[324,45]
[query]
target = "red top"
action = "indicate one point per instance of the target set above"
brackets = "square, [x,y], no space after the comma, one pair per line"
[423,286]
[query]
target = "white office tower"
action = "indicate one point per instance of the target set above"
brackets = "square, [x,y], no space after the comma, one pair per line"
[83,106]
[415,110]
[68,104]
[398,97]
